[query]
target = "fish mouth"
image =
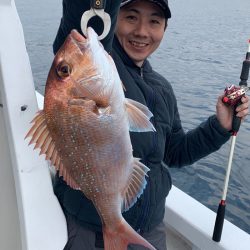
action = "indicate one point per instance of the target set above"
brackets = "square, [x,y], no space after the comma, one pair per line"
[79,40]
[91,41]
[77,37]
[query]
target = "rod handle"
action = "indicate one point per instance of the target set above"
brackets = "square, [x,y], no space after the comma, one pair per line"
[236,120]
[245,72]
[219,221]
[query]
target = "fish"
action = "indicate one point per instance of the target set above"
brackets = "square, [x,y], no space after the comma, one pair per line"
[83,130]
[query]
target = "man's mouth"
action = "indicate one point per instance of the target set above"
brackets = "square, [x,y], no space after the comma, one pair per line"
[138,44]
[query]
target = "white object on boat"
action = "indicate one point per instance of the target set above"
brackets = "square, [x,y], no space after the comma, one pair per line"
[30,215]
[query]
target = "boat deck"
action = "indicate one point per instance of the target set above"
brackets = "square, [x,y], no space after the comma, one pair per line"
[176,241]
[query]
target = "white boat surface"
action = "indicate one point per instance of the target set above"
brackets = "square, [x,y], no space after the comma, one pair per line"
[30,215]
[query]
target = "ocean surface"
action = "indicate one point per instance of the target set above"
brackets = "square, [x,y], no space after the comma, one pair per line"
[202,53]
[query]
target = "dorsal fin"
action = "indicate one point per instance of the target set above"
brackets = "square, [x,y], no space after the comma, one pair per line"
[139,116]
[136,184]
[40,135]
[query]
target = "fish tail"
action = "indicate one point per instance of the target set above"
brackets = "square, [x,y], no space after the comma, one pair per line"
[122,237]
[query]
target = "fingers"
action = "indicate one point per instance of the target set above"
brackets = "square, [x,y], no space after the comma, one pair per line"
[243,109]
[245,99]
[220,101]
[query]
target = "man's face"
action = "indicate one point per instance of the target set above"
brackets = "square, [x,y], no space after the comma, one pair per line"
[140,29]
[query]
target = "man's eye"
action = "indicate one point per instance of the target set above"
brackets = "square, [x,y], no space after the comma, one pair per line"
[131,18]
[155,22]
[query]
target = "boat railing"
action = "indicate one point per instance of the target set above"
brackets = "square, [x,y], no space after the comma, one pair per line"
[194,223]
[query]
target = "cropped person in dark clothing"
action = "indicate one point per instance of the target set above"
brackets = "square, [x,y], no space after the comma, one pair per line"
[136,32]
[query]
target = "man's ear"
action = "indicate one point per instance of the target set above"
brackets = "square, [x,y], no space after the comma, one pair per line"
[166,24]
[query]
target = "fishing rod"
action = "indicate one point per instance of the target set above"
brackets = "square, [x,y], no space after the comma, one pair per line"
[232,97]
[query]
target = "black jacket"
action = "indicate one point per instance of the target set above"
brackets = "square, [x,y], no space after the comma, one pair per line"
[168,146]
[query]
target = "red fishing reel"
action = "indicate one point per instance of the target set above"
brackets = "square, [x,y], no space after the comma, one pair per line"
[233,94]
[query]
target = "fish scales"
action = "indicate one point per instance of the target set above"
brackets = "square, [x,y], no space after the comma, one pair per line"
[84,132]
[76,148]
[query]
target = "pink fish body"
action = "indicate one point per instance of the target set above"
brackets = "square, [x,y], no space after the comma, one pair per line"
[84,131]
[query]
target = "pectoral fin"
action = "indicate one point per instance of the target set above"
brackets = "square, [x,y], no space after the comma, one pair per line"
[139,117]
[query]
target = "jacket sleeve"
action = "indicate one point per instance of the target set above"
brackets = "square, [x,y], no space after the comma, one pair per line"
[186,148]
[71,18]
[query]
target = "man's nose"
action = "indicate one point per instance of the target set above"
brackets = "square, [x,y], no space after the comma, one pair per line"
[141,29]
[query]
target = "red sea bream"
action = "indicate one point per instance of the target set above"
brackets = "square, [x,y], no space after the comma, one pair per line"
[84,131]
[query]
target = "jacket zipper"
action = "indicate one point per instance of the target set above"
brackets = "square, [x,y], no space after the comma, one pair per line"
[141,72]
[145,209]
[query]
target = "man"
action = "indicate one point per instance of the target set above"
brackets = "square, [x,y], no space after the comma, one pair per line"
[139,28]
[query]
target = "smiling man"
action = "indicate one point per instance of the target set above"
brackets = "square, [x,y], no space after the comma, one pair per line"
[140,28]
[136,32]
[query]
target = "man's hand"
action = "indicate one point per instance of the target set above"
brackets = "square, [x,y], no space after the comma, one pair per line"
[225,113]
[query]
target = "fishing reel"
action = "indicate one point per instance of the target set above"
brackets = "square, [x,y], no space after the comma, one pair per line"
[233,94]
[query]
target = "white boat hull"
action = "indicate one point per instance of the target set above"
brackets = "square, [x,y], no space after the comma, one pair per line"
[30,216]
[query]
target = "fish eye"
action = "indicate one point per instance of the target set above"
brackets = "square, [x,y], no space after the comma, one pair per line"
[63,70]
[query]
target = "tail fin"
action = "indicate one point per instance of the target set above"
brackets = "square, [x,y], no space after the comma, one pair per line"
[123,235]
